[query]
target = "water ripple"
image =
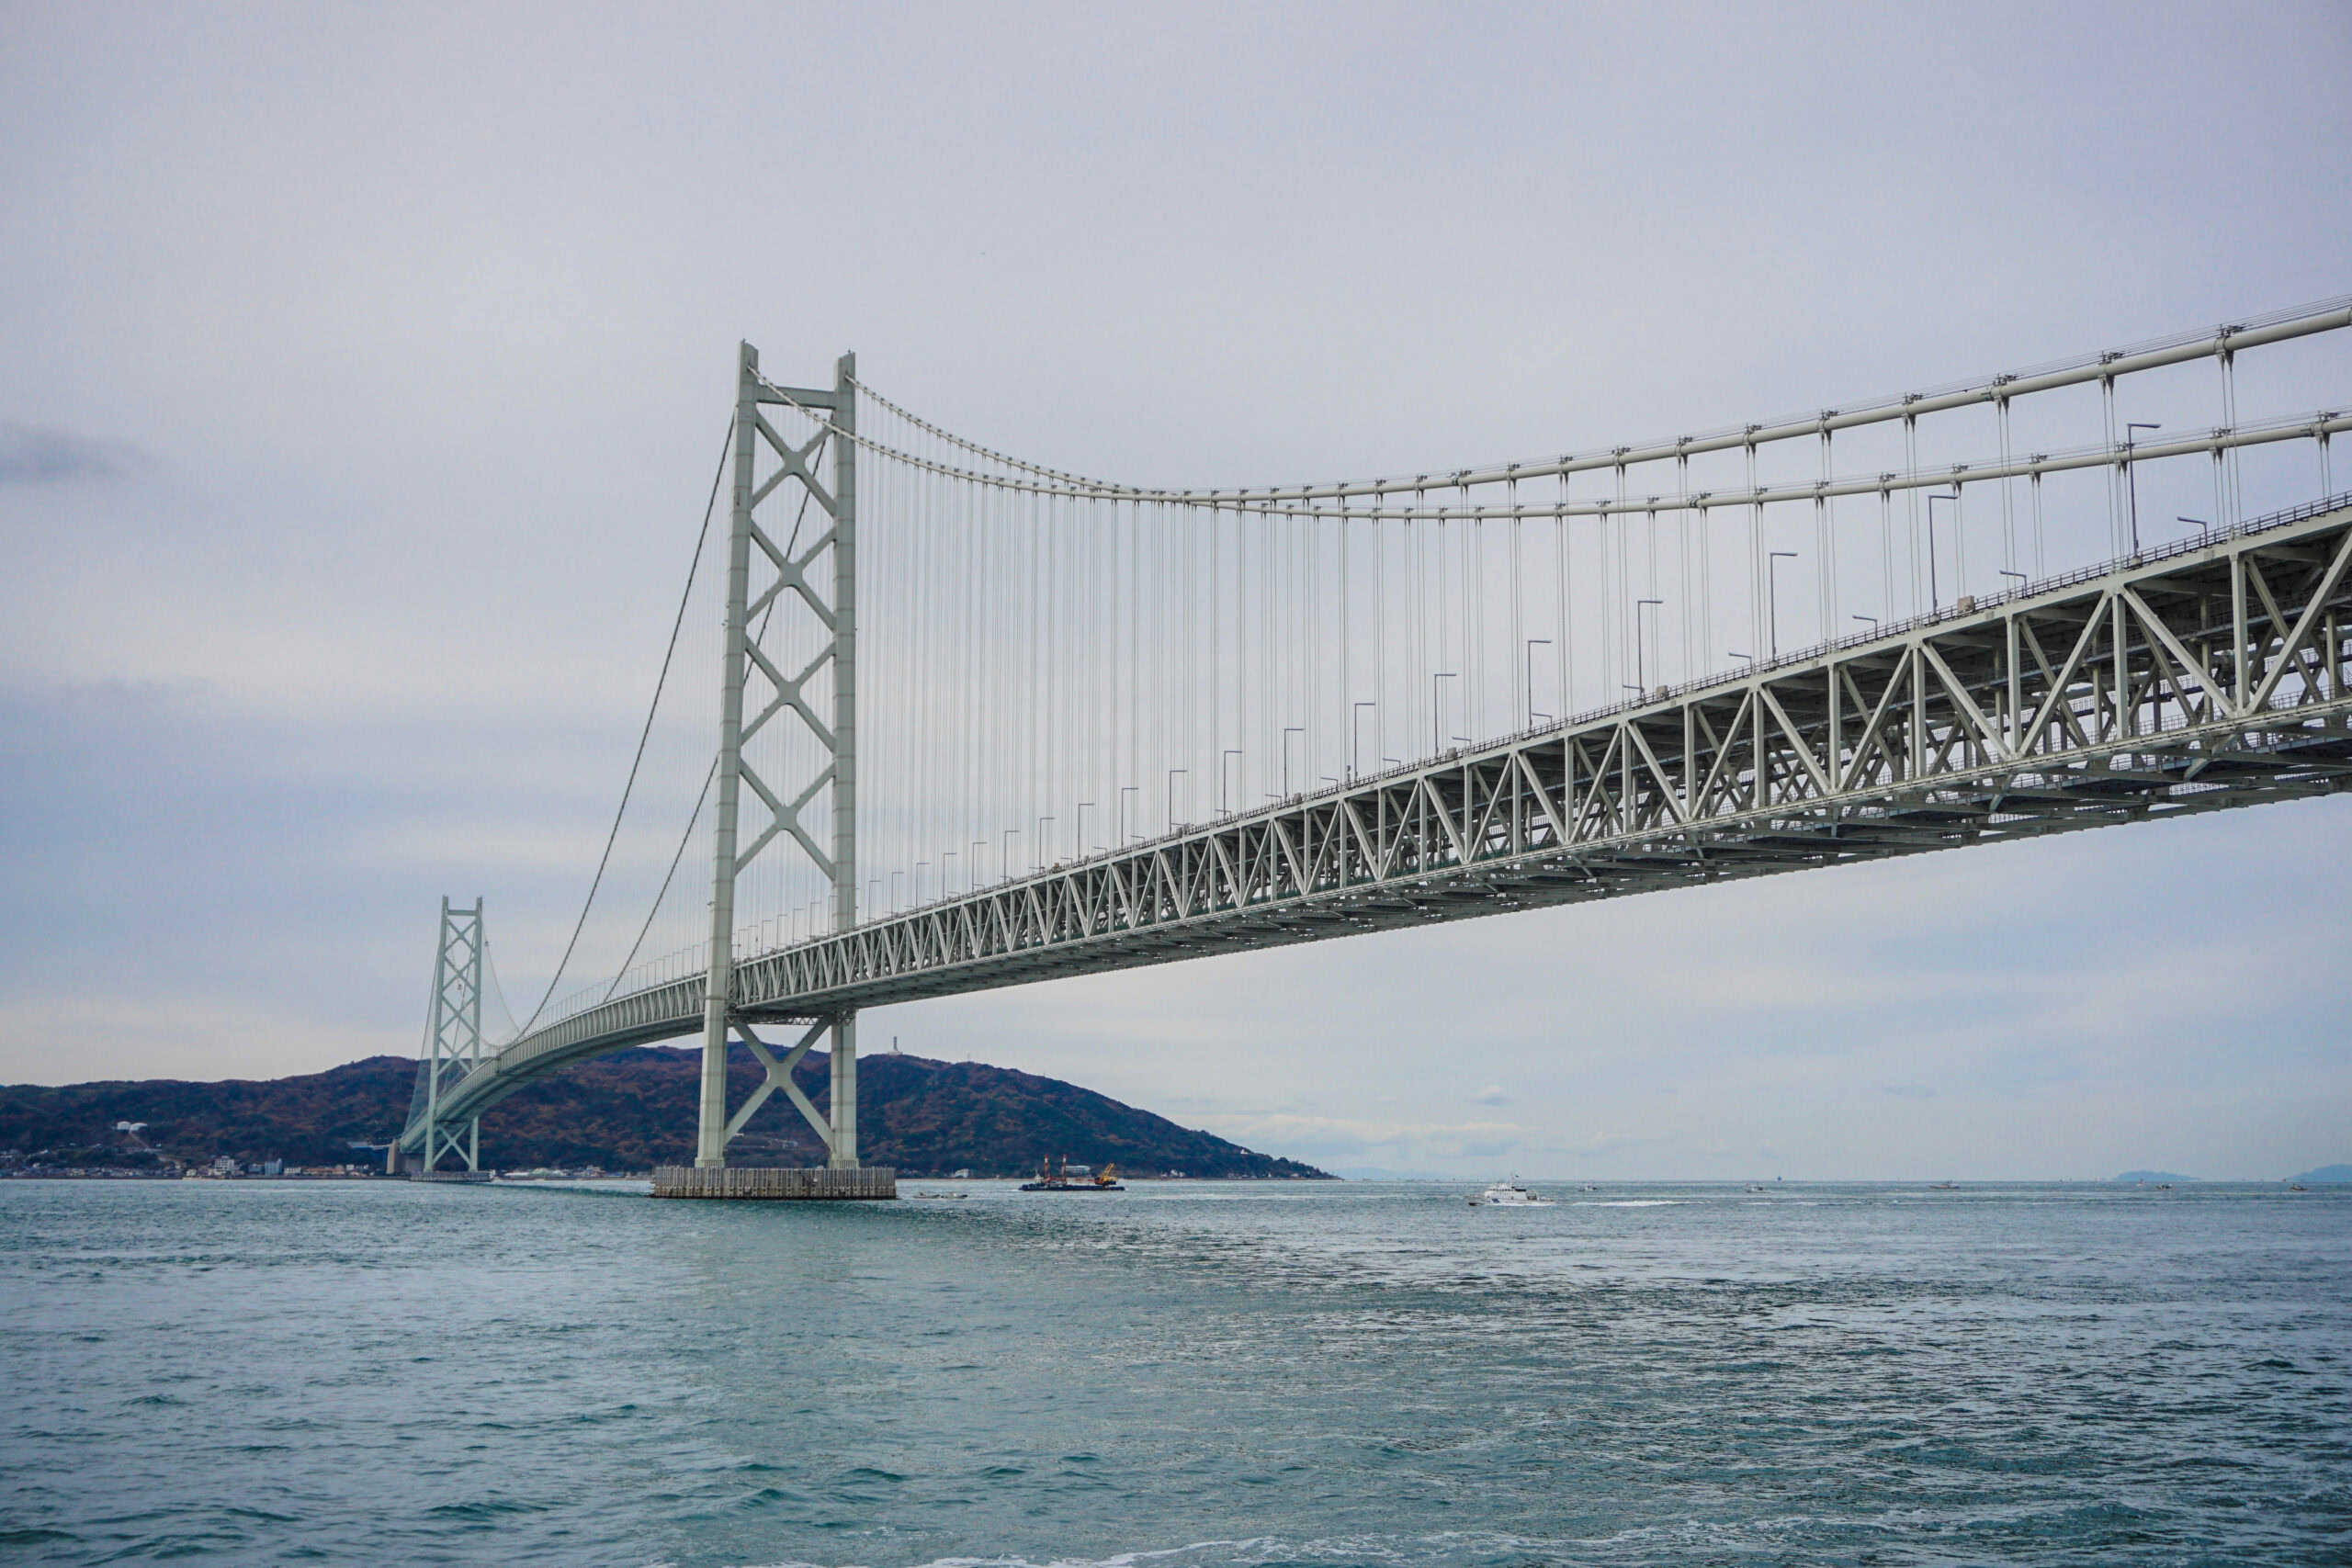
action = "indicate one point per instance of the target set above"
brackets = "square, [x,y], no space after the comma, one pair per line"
[1198,1376]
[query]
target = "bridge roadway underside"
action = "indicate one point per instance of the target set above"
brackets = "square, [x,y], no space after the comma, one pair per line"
[2210,676]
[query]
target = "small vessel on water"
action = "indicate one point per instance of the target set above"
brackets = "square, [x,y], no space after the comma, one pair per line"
[1509,1195]
[1075,1178]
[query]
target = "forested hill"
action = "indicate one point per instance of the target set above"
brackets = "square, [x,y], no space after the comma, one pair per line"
[628,1112]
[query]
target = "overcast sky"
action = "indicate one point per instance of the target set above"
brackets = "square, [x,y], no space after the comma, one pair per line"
[364,367]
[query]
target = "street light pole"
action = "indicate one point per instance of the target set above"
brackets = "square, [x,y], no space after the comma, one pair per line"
[1935,594]
[1355,735]
[1772,572]
[2131,478]
[1532,644]
[1434,690]
[1641,677]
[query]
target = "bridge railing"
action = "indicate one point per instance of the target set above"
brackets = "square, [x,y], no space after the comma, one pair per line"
[1904,626]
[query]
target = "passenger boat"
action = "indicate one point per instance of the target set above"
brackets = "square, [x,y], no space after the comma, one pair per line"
[1075,1178]
[1509,1195]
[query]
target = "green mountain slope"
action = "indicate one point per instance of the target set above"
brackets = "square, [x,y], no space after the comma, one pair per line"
[626,1112]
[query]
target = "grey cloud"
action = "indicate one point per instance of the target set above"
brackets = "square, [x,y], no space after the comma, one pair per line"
[31,454]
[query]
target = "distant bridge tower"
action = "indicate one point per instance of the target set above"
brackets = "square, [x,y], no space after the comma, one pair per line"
[794,584]
[453,1042]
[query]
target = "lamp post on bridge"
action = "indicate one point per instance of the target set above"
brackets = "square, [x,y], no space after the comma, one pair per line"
[1125,790]
[2131,477]
[1355,735]
[1772,576]
[1641,665]
[1528,719]
[1222,808]
[1935,594]
[1171,794]
[1288,730]
[1435,706]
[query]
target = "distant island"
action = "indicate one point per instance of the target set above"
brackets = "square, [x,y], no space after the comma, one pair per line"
[628,1112]
[2156,1176]
[2326,1175]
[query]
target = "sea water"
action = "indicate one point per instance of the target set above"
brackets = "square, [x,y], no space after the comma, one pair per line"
[1187,1374]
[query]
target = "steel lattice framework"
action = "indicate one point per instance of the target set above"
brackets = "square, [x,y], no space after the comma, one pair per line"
[821,696]
[2214,674]
[453,1042]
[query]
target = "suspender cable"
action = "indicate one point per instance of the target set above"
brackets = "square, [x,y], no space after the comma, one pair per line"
[1565,636]
[1379,648]
[1346,710]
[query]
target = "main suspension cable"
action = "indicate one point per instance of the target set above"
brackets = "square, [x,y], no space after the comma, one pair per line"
[709,773]
[643,735]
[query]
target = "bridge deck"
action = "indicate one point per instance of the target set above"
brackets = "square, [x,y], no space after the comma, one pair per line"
[2208,676]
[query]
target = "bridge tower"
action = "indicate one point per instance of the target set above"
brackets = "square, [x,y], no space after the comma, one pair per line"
[794,584]
[453,1039]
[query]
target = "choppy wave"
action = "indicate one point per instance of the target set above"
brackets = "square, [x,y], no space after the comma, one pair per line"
[1680,1375]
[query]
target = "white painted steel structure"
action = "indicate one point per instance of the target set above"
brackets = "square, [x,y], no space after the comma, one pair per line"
[453,1044]
[2212,672]
[792,582]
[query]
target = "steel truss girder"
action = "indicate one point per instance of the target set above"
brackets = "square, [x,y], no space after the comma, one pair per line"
[2214,677]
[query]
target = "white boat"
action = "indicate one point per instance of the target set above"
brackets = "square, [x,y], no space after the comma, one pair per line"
[1509,1195]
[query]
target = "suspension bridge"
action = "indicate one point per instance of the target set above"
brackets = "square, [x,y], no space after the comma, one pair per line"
[1109,724]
